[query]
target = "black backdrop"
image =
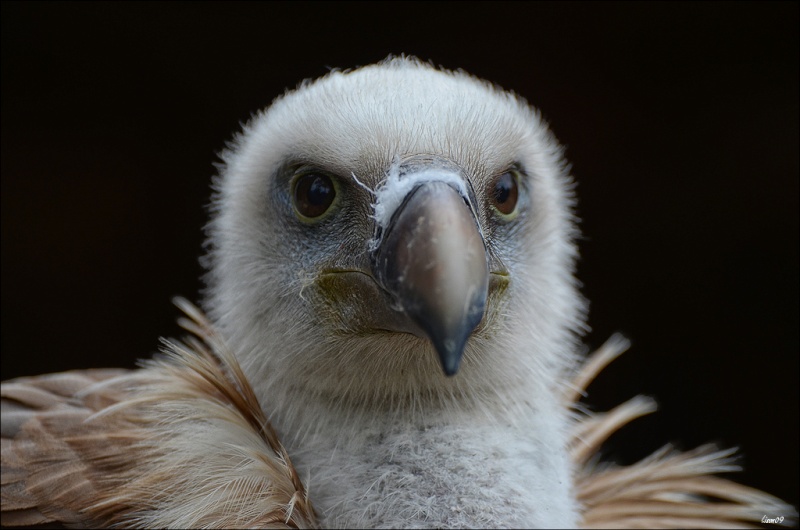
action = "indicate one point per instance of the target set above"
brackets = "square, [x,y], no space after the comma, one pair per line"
[681,121]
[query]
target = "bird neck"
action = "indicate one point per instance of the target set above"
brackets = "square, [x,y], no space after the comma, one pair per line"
[467,465]
[302,411]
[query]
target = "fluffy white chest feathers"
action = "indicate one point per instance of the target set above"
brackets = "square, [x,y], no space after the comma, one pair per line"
[443,476]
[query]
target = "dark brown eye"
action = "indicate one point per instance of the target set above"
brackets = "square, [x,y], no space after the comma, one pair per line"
[504,193]
[313,194]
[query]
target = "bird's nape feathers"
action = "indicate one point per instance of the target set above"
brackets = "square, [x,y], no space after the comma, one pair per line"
[184,443]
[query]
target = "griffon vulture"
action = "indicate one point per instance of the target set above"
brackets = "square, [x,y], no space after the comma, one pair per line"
[392,341]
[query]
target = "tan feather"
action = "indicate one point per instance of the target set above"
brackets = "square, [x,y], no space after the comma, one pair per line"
[180,443]
[668,489]
[183,442]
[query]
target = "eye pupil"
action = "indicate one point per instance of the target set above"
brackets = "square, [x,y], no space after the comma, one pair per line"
[502,191]
[505,193]
[313,194]
[320,192]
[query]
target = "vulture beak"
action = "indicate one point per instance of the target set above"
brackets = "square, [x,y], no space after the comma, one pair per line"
[432,261]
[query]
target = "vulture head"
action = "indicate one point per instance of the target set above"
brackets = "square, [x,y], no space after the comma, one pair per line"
[394,235]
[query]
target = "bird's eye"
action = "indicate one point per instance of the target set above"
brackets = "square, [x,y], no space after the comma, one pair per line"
[313,194]
[504,192]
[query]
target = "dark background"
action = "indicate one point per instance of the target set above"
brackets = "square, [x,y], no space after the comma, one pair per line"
[681,121]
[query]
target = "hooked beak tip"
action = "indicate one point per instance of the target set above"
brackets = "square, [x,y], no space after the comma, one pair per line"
[450,359]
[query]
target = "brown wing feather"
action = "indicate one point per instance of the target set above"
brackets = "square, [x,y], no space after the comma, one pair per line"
[42,422]
[668,489]
[181,442]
